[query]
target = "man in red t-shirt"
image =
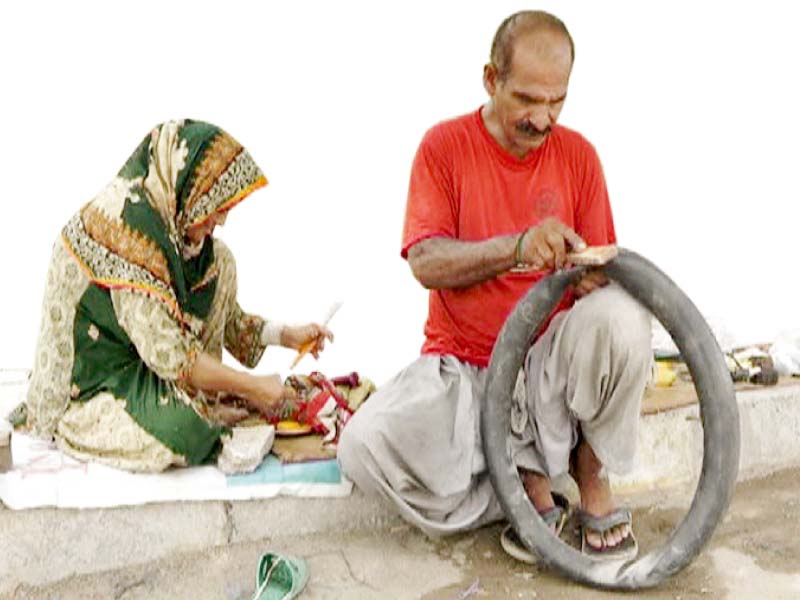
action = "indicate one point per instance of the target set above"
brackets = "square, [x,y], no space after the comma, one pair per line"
[499,188]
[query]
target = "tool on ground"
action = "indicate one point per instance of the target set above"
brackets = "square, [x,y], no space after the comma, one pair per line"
[753,366]
[309,346]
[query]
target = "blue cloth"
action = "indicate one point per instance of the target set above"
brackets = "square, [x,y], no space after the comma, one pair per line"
[273,470]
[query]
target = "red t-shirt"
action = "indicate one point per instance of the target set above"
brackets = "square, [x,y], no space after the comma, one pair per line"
[464,185]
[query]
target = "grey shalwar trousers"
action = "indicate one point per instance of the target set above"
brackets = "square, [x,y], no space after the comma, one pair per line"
[417,440]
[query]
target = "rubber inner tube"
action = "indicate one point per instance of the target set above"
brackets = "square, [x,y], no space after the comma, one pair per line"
[718,413]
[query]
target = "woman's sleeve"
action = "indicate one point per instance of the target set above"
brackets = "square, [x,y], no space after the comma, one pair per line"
[247,336]
[164,346]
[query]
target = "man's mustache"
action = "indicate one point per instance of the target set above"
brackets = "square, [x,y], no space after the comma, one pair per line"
[529,129]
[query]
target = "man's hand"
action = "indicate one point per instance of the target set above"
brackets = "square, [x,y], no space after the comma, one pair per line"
[296,337]
[590,281]
[546,245]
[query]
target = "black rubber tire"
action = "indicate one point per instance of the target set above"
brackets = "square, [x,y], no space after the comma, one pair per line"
[718,412]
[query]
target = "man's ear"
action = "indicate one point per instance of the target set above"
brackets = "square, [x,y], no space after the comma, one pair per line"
[490,78]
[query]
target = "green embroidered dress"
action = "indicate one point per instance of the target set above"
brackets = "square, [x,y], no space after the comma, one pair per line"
[129,305]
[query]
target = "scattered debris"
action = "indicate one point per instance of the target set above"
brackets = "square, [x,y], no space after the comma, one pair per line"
[753,365]
[471,590]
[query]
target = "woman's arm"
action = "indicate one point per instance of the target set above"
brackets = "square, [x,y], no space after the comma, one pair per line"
[174,354]
[261,392]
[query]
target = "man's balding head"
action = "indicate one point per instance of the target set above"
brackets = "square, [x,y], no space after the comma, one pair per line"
[527,80]
[521,24]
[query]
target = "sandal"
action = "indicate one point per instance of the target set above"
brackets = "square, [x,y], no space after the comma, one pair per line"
[625,550]
[280,577]
[552,517]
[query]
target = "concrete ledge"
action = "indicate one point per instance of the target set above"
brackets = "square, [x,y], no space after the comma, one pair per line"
[670,443]
[43,546]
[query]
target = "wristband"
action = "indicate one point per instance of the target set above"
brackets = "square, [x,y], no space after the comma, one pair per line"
[271,333]
[518,251]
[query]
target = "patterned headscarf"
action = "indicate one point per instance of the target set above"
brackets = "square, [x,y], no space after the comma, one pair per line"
[131,235]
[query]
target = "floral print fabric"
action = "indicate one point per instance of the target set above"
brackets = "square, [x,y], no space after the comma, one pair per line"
[126,311]
[164,347]
[100,428]
[133,234]
[49,390]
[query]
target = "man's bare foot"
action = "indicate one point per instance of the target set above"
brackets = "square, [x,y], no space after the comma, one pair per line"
[596,497]
[537,486]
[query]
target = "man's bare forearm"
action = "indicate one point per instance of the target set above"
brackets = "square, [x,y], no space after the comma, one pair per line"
[441,262]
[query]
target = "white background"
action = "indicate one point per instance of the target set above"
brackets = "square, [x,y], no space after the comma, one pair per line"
[693,108]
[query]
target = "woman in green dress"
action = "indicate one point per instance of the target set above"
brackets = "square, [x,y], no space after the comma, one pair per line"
[139,302]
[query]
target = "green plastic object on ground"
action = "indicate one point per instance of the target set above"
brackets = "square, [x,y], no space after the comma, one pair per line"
[280,577]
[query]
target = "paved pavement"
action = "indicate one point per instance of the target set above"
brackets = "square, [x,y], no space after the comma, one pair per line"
[754,554]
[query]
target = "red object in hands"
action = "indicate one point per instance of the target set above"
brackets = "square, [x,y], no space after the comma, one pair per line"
[352,380]
[308,413]
[320,380]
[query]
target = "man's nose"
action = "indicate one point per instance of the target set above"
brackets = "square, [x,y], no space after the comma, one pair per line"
[540,117]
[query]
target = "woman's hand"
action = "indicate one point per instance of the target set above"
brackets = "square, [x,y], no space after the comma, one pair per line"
[263,393]
[297,336]
[227,414]
[267,394]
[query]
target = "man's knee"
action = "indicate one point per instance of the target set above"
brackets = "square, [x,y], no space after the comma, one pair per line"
[352,449]
[617,317]
[349,442]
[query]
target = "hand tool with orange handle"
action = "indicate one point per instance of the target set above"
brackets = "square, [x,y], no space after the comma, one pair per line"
[309,346]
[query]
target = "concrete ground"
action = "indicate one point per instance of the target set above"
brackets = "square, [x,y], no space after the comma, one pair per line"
[358,548]
[755,553]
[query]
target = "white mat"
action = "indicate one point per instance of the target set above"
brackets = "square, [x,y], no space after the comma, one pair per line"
[43,476]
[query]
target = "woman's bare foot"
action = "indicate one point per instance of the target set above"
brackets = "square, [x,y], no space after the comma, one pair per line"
[596,497]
